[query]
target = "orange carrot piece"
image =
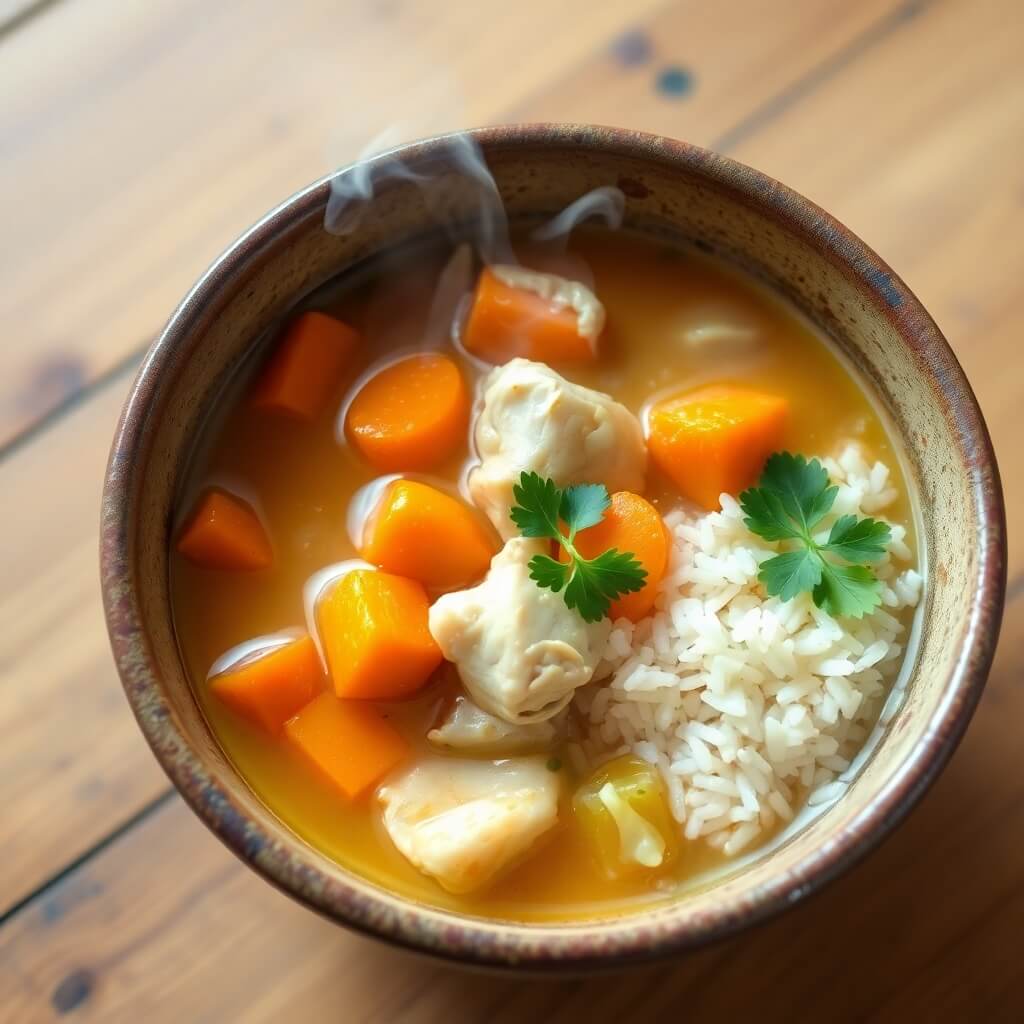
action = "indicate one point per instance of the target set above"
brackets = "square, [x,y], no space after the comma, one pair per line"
[631,523]
[350,743]
[225,533]
[305,366]
[716,440]
[412,414]
[505,322]
[373,626]
[427,535]
[271,687]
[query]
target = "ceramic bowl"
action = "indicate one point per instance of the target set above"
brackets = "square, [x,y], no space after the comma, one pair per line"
[672,190]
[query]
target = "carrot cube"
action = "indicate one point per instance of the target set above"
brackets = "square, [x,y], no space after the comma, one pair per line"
[505,322]
[350,743]
[374,630]
[716,440]
[271,687]
[427,535]
[225,533]
[305,366]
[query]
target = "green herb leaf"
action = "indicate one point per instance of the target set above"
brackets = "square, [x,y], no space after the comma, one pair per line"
[538,503]
[791,573]
[858,540]
[584,505]
[795,496]
[847,590]
[596,582]
[546,572]
[589,584]
[791,499]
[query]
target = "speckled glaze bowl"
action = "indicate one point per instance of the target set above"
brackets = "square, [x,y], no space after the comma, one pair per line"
[672,189]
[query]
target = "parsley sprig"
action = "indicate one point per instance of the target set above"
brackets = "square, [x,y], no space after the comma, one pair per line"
[790,500]
[590,584]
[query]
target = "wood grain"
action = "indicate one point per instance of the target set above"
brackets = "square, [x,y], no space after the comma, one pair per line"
[73,764]
[166,926]
[55,748]
[902,118]
[133,160]
[701,72]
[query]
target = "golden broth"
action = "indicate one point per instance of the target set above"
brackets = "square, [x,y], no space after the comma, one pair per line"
[301,477]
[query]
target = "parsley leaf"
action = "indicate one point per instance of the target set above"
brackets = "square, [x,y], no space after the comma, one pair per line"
[590,584]
[546,572]
[791,499]
[791,573]
[847,590]
[858,540]
[584,505]
[538,506]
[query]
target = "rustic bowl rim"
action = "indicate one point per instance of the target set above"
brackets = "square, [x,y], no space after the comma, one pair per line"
[623,940]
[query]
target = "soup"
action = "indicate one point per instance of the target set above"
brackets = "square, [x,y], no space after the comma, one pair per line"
[545,591]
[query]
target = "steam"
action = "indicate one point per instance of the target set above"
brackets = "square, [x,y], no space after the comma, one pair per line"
[606,203]
[380,165]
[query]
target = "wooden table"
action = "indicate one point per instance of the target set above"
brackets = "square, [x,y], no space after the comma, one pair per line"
[138,139]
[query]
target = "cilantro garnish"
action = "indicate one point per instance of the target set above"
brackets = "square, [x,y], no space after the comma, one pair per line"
[590,584]
[791,499]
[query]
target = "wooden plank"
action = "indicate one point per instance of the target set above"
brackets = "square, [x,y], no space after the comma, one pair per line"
[926,167]
[700,71]
[60,475]
[72,763]
[166,926]
[166,128]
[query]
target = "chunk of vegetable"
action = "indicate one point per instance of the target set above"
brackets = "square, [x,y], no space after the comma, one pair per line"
[630,524]
[349,742]
[225,533]
[624,815]
[716,440]
[305,366]
[373,627]
[421,532]
[507,321]
[273,685]
[412,414]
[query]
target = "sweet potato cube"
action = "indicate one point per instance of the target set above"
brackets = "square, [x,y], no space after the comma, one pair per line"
[270,687]
[373,627]
[349,742]
[716,440]
[427,535]
[225,533]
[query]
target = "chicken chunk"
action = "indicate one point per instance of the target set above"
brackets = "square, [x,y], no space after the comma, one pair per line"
[533,419]
[520,651]
[561,293]
[462,822]
[471,729]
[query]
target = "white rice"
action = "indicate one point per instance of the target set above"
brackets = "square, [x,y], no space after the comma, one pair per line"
[747,704]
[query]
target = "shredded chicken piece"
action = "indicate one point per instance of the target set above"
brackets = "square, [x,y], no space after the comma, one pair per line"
[463,822]
[533,419]
[471,729]
[561,293]
[520,651]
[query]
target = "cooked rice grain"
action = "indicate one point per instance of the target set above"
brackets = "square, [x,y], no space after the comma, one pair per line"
[746,703]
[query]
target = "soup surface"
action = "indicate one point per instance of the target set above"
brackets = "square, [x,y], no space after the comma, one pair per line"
[676,322]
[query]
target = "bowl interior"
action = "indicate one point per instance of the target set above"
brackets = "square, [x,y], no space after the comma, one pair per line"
[671,190]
